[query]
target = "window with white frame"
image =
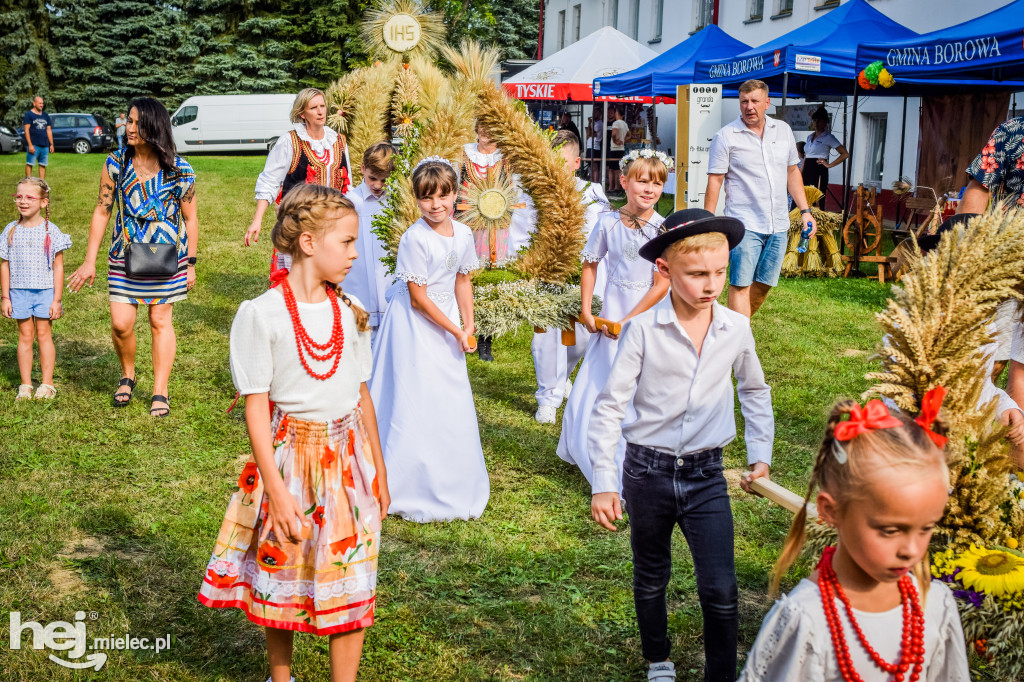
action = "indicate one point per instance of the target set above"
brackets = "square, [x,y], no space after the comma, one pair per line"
[659,20]
[783,7]
[874,159]
[756,10]
[634,18]
[704,14]
[613,13]
[576,10]
[561,29]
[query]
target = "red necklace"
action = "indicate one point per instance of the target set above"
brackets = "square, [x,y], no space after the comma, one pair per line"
[911,644]
[306,345]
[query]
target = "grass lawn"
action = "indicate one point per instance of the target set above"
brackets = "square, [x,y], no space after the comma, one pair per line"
[114,513]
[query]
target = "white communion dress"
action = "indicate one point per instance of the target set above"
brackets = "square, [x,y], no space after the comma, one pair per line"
[629,277]
[420,387]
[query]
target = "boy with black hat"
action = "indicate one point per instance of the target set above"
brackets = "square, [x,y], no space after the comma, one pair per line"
[675,362]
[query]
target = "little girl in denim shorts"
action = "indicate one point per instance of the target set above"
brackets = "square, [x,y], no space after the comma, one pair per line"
[32,280]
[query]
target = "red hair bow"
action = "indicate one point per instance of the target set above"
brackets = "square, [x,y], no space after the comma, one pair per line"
[930,405]
[874,415]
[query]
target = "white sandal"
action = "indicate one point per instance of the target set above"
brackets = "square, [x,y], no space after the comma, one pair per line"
[46,391]
[24,392]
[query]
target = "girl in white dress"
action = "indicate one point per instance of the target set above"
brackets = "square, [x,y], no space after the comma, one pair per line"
[420,385]
[870,604]
[632,287]
[297,550]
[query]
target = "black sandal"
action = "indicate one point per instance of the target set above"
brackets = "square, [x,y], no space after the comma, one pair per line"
[159,411]
[127,397]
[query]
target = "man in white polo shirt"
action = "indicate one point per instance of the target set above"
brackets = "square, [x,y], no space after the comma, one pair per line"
[756,158]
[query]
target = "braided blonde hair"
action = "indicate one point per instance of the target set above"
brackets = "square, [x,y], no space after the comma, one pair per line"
[44,188]
[311,208]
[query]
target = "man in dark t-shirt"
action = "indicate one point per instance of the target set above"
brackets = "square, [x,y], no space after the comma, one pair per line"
[565,122]
[38,138]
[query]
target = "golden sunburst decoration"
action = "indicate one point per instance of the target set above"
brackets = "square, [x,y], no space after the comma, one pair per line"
[487,201]
[402,27]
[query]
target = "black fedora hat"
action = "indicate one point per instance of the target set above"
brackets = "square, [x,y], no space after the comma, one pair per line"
[687,223]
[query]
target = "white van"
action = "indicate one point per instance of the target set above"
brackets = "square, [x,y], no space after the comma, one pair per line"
[230,123]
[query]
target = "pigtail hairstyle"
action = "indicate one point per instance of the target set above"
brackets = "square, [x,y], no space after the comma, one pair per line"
[44,194]
[845,470]
[310,208]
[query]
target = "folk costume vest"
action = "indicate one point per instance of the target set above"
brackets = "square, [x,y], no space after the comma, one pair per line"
[308,167]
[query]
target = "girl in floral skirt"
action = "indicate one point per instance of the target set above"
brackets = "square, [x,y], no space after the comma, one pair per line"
[298,547]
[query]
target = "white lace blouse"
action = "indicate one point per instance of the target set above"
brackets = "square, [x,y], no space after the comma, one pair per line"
[795,645]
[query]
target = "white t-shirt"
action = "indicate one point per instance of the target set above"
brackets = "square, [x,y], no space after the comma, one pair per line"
[265,357]
[623,130]
[821,147]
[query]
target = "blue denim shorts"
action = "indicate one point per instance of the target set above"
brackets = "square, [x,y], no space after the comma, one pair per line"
[31,303]
[41,155]
[757,258]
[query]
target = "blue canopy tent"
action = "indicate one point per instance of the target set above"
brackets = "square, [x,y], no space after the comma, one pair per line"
[819,58]
[984,52]
[660,76]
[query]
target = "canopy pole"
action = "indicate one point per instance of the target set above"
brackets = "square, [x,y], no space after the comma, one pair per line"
[846,131]
[604,150]
[903,136]
[849,171]
[785,88]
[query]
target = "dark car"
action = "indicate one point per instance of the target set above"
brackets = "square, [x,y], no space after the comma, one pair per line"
[9,141]
[80,133]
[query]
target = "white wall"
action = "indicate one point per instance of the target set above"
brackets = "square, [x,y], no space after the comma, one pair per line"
[679,20]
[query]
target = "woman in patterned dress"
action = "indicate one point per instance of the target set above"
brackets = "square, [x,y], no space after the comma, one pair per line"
[310,153]
[154,190]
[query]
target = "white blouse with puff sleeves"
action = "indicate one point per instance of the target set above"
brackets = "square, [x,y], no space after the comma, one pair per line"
[265,357]
[795,644]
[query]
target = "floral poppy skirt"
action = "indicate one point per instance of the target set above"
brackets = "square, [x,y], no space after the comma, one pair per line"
[326,583]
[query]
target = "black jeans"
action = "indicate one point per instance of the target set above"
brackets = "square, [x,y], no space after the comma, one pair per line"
[661,491]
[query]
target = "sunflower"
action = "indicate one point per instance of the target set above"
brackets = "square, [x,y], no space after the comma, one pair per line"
[991,571]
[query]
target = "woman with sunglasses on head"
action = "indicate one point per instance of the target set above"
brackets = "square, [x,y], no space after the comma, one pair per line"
[154,190]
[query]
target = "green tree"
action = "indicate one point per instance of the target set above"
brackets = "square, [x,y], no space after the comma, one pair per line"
[322,39]
[509,25]
[111,51]
[233,47]
[25,56]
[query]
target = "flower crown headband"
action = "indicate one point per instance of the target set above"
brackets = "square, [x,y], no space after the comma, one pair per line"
[875,415]
[436,159]
[647,154]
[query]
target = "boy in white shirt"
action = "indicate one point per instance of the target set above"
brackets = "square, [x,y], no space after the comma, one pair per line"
[675,362]
[369,278]
[553,363]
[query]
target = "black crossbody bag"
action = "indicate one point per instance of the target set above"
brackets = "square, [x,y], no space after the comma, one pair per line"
[141,259]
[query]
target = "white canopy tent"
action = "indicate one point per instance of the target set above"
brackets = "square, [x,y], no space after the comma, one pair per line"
[569,74]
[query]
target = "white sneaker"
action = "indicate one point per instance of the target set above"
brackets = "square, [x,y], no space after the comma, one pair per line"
[270,678]
[545,414]
[568,388]
[661,672]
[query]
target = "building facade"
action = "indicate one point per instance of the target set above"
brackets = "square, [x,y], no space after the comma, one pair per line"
[662,24]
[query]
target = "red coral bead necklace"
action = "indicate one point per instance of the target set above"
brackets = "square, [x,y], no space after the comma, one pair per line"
[911,643]
[306,345]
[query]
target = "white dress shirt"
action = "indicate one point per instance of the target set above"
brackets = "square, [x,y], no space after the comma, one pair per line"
[756,170]
[683,401]
[369,278]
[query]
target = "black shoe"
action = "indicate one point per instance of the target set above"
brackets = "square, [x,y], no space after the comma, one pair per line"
[483,348]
